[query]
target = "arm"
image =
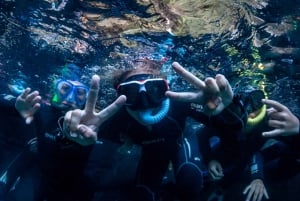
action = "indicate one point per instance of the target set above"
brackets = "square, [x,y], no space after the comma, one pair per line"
[256,190]
[214,94]
[283,121]
[218,107]
[7,104]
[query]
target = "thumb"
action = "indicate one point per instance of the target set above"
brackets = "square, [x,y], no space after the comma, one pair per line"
[86,131]
[29,119]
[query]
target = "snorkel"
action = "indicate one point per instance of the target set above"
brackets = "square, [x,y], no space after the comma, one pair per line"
[144,86]
[253,121]
[152,115]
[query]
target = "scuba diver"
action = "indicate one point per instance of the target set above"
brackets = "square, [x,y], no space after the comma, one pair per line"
[15,141]
[154,118]
[279,156]
[61,161]
[251,149]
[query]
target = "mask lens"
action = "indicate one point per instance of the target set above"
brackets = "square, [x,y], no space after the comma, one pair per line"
[156,90]
[81,94]
[64,88]
[130,90]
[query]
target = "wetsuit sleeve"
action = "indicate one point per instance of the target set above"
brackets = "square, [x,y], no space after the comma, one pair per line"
[7,104]
[256,166]
[233,117]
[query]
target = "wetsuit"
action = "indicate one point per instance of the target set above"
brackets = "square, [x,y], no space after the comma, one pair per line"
[240,151]
[285,150]
[61,161]
[15,156]
[163,143]
[58,174]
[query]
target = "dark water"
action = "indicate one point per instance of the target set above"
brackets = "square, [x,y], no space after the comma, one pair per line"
[250,42]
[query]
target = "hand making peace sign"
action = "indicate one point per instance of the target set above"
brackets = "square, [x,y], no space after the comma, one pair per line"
[213,94]
[81,125]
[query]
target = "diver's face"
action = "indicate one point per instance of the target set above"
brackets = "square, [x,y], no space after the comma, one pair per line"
[143,91]
[70,94]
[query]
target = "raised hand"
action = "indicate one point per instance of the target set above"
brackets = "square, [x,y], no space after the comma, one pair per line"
[215,170]
[256,190]
[281,119]
[81,125]
[214,93]
[27,104]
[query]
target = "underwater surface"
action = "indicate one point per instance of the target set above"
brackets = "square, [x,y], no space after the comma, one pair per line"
[251,42]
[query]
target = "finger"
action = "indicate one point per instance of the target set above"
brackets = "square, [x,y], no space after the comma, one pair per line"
[216,174]
[271,110]
[29,119]
[260,195]
[273,133]
[211,86]
[87,132]
[75,120]
[255,193]
[35,108]
[249,193]
[277,115]
[188,76]
[186,96]
[224,87]
[25,93]
[266,194]
[246,189]
[83,135]
[212,173]
[67,121]
[92,95]
[32,96]
[222,83]
[36,100]
[276,123]
[272,103]
[212,93]
[111,109]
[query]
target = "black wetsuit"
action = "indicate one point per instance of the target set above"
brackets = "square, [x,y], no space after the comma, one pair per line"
[285,150]
[61,161]
[163,143]
[58,166]
[243,156]
[15,156]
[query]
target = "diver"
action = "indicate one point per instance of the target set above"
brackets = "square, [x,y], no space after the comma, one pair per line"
[280,154]
[61,161]
[251,149]
[154,118]
[15,141]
